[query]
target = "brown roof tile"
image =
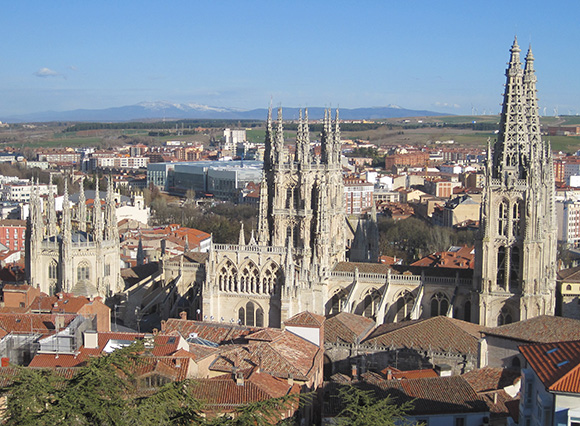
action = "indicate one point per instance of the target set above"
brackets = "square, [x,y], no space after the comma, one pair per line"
[345,327]
[542,329]
[305,319]
[490,378]
[214,332]
[438,334]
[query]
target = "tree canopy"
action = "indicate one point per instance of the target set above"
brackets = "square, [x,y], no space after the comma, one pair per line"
[104,392]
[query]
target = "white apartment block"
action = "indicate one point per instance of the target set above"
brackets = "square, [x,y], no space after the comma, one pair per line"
[20,192]
[358,197]
[568,216]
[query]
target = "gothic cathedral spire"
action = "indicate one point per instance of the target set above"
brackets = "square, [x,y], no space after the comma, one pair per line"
[514,274]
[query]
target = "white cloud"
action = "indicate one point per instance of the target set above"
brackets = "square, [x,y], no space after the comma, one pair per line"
[47,72]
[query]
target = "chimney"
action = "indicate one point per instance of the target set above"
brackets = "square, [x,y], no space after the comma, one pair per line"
[91,339]
[183,315]
[444,370]
[389,374]
[239,378]
[354,372]
[60,295]
[290,379]
[495,397]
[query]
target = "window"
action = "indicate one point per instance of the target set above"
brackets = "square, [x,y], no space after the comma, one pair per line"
[467,311]
[504,317]
[500,277]
[503,219]
[53,270]
[83,271]
[514,267]
[459,421]
[439,305]
[405,304]
[338,301]
[371,304]
[107,269]
[516,216]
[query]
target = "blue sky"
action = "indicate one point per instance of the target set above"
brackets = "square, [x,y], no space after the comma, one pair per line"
[447,56]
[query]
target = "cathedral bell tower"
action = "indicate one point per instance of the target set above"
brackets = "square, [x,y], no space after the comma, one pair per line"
[514,276]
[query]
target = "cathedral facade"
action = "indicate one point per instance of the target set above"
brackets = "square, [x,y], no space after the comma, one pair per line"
[77,253]
[297,260]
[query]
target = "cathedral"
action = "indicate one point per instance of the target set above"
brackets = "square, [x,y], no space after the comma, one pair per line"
[297,260]
[77,253]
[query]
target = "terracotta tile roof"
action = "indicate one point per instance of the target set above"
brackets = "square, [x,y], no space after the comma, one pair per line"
[305,319]
[409,374]
[266,335]
[222,393]
[287,355]
[200,351]
[214,332]
[443,395]
[570,275]
[490,378]
[542,329]
[437,395]
[345,327]
[163,345]
[367,268]
[25,323]
[556,364]
[463,257]
[60,360]
[440,334]
[498,402]
[65,303]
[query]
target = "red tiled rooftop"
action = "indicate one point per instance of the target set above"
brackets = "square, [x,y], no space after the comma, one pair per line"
[305,319]
[556,364]
[345,327]
[438,334]
[542,329]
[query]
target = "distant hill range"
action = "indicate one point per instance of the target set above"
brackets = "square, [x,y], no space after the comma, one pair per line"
[172,111]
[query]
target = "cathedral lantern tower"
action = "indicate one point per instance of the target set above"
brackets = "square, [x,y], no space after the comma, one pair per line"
[514,277]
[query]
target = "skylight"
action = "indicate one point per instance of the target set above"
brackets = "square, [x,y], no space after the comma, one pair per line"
[551,351]
[562,363]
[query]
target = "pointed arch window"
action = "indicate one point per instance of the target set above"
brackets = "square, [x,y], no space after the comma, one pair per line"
[338,301]
[371,304]
[500,277]
[53,270]
[516,219]
[259,317]
[249,280]
[439,304]
[405,304]
[271,279]
[467,311]
[502,218]
[83,271]
[504,317]
[227,277]
[250,311]
[289,197]
[514,268]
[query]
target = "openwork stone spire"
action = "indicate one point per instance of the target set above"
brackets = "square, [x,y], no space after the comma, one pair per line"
[51,210]
[82,210]
[111,230]
[97,215]
[512,142]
